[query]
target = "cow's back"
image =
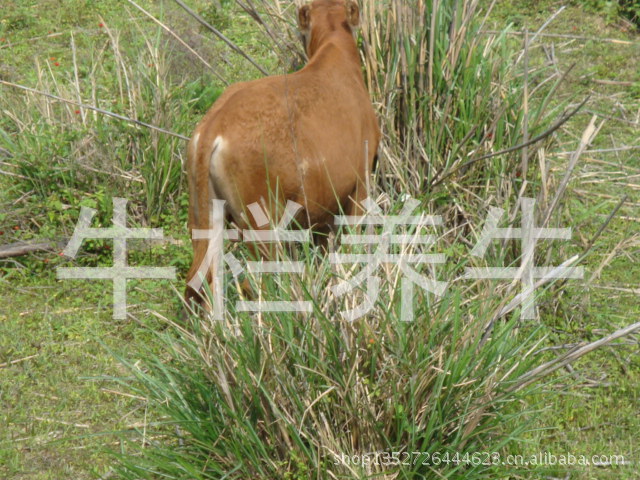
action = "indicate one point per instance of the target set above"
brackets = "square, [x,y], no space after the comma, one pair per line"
[301,136]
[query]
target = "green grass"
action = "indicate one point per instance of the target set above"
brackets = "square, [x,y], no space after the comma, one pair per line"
[597,412]
[56,413]
[63,410]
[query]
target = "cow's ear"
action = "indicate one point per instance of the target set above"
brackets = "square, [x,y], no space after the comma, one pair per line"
[353,13]
[304,18]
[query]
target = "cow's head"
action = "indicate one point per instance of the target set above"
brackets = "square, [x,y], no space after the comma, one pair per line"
[323,16]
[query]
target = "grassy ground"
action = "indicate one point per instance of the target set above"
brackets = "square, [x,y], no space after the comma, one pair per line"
[59,413]
[600,414]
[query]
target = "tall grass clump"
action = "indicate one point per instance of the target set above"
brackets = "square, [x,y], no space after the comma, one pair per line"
[448,95]
[314,395]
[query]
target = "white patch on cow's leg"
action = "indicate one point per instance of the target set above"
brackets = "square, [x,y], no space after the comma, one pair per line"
[222,186]
[215,163]
[218,180]
[216,170]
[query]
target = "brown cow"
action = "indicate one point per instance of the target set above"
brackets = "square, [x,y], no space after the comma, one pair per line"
[299,137]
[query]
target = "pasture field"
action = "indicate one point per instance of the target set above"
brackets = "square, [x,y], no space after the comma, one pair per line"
[87,396]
